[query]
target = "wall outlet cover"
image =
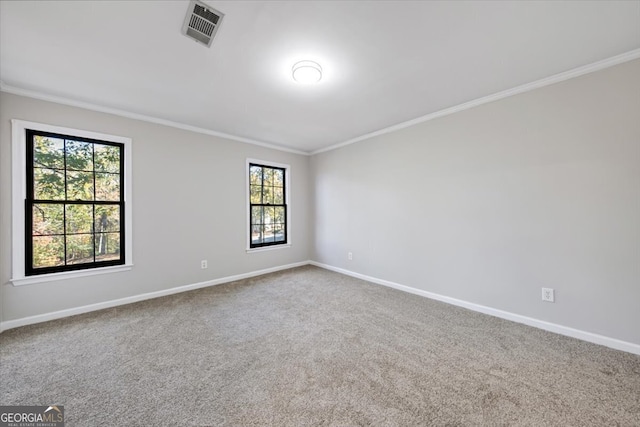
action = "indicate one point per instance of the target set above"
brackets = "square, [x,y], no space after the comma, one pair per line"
[548,295]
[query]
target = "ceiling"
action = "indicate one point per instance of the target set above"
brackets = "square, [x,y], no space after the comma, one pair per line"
[384,63]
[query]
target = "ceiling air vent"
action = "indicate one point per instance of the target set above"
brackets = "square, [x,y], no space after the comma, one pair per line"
[201,22]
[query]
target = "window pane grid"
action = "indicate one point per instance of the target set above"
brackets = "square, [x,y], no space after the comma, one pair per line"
[74,212]
[267,205]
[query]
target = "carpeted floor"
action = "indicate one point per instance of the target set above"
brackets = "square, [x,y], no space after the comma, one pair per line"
[309,347]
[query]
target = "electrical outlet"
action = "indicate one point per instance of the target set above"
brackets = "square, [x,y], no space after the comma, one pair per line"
[203,264]
[350,256]
[548,295]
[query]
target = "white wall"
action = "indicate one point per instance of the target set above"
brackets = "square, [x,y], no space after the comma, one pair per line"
[490,204]
[188,204]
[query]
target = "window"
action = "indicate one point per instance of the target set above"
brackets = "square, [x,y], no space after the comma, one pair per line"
[268,211]
[74,203]
[70,200]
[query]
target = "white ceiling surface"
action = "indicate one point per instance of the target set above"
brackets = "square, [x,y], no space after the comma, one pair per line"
[384,62]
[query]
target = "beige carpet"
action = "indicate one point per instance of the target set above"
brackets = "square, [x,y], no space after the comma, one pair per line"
[308,347]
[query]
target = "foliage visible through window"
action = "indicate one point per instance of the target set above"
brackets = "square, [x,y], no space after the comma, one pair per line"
[268,205]
[75,203]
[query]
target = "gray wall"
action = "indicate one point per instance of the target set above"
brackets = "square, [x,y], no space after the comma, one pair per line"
[487,205]
[490,204]
[188,204]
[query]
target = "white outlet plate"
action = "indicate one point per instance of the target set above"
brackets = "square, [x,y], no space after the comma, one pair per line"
[548,295]
[350,255]
[203,264]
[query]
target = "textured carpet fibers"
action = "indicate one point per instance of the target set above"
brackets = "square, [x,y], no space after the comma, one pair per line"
[309,347]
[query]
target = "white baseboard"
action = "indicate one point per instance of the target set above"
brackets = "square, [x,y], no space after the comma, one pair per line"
[541,324]
[10,324]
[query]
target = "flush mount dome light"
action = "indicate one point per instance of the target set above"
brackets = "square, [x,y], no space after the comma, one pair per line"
[307,72]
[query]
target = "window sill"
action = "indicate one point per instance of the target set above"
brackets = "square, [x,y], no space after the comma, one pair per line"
[29,280]
[268,248]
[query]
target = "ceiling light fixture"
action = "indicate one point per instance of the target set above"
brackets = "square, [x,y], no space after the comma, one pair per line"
[306,72]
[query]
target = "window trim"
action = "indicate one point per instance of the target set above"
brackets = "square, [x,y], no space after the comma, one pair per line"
[287,195]
[19,192]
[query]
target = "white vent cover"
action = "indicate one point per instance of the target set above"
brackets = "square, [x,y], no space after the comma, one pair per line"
[201,22]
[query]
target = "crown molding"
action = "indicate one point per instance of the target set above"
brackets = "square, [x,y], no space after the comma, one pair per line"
[142,117]
[557,78]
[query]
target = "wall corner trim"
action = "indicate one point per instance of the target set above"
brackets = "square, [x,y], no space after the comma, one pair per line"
[556,78]
[142,117]
[11,324]
[529,321]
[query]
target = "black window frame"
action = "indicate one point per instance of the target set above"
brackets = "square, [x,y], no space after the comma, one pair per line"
[30,201]
[284,205]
